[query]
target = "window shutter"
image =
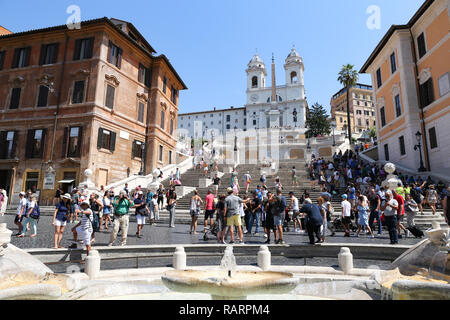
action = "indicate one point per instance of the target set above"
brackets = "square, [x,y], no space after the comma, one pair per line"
[119,58]
[133,150]
[43,96]
[29,149]
[2,59]
[113,142]
[14,146]
[27,56]
[140,73]
[80,142]
[15,62]
[110,51]
[64,143]
[3,148]
[100,138]
[147,77]
[43,143]
[55,53]
[43,54]
[90,48]
[76,53]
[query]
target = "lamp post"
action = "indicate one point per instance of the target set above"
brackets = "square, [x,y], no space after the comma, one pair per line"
[418,146]
[333,126]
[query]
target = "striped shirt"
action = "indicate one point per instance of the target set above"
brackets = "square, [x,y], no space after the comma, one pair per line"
[86,221]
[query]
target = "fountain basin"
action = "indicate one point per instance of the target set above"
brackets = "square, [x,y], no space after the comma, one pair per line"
[238,286]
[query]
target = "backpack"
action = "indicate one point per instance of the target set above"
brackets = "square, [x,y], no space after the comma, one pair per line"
[36,212]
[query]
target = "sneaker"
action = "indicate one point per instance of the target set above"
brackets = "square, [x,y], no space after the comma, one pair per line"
[267,241]
[245,231]
[400,236]
[371,236]
[231,242]
[123,244]
[281,242]
[110,245]
[265,235]
[241,242]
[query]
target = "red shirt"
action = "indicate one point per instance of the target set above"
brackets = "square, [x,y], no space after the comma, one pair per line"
[209,200]
[401,202]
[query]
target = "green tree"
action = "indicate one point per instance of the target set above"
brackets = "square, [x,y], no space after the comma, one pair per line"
[373,133]
[348,77]
[317,121]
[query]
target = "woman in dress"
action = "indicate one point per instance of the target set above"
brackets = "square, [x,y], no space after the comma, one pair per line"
[432,198]
[62,212]
[363,212]
[196,203]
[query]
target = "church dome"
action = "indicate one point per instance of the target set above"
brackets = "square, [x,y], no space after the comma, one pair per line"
[293,56]
[256,62]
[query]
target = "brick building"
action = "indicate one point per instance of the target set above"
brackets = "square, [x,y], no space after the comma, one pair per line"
[96,97]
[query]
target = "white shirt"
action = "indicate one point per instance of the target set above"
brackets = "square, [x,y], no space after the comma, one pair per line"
[347,208]
[247,177]
[389,211]
[330,166]
[294,202]
[22,204]
[349,173]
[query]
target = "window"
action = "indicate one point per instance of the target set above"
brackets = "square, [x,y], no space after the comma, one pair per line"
[21,57]
[8,144]
[444,83]
[49,54]
[137,149]
[254,122]
[72,142]
[170,157]
[84,49]
[165,84]
[401,141]
[141,109]
[379,82]
[162,119]
[358,112]
[35,143]
[294,77]
[228,127]
[433,138]
[421,45]
[2,59]
[383,117]
[398,107]
[386,152]
[31,181]
[106,140]
[174,95]
[171,126]
[393,63]
[43,96]
[78,92]
[255,82]
[228,118]
[15,98]
[245,121]
[144,75]
[426,93]
[161,150]
[366,113]
[367,122]
[114,55]
[110,92]
[359,122]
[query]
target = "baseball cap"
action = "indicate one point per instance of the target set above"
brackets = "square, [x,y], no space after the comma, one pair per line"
[22,193]
[67,196]
[344,196]
[85,202]
[140,192]
[229,189]
[308,200]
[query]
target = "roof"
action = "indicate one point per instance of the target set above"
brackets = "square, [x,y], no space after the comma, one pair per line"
[391,31]
[3,30]
[109,22]
[209,111]
[358,86]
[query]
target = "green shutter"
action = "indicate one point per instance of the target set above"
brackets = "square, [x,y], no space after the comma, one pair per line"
[113,142]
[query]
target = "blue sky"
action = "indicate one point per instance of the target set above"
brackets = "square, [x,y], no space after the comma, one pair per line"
[210,42]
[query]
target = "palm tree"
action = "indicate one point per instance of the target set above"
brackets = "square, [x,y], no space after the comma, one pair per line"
[348,77]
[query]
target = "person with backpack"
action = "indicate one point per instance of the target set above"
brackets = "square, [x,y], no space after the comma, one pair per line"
[313,220]
[31,217]
[84,228]
[60,216]
[141,212]
[279,212]
[122,206]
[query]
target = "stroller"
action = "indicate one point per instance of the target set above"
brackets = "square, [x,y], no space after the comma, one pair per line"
[337,225]
[213,231]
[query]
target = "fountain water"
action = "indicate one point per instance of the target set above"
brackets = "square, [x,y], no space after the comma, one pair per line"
[228,262]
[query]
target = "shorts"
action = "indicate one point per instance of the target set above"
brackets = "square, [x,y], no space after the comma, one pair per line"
[347,220]
[216,187]
[294,178]
[59,223]
[278,221]
[209,214]
[195,213]
[295,214]
[400,217]
[85,235]
[17,219]
[234,221]
[76,207]
[140,219]
[262,180]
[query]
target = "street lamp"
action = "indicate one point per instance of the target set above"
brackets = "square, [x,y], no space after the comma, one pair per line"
[333,126]
[418,146]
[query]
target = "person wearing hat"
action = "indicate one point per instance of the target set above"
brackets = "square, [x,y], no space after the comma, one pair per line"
[432,198]
[141,212]
[62,212]
[84,227]
[122,206]
[21,211]
[346,215]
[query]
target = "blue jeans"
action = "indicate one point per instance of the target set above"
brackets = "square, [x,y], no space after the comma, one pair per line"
[375,214]
[32,225]
[252,219]
[391,223]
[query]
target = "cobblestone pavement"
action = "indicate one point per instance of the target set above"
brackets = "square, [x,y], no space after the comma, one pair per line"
[161,234]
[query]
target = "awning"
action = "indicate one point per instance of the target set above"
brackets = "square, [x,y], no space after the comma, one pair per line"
[66,181]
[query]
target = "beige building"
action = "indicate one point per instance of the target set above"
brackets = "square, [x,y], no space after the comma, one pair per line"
[362,110]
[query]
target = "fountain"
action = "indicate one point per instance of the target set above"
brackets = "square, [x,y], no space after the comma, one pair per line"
[227,283]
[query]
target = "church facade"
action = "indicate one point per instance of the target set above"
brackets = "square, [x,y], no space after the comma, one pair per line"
[266,107]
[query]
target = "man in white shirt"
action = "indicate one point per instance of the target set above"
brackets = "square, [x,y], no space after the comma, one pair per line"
[346,215]
[21,212]
[389,207]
